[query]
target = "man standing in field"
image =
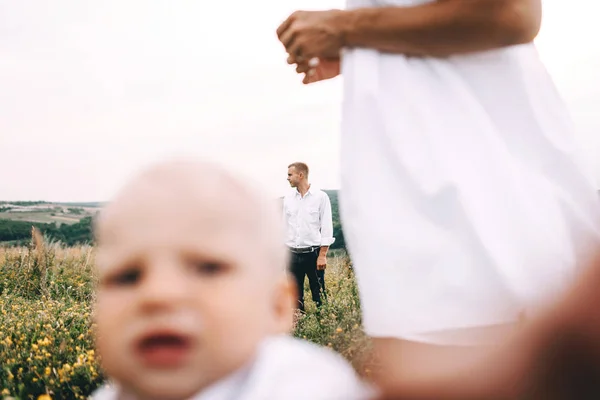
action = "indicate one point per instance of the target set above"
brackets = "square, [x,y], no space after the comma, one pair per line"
[309,231]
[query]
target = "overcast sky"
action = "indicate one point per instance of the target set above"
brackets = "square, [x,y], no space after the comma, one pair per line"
[92,91]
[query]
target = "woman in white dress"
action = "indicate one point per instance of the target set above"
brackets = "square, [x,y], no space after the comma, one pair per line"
[463,200]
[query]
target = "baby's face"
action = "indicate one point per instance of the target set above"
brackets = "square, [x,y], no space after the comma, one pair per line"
[182,299]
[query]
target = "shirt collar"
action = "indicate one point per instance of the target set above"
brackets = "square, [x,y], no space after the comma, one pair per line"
[310,190]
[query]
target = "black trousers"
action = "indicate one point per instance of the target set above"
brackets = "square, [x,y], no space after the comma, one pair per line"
[305,265]
[321,276]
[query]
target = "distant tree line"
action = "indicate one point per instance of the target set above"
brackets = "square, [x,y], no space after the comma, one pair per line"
[338,233]
[19,232]
[24,203]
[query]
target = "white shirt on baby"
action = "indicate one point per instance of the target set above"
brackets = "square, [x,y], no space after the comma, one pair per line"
[284,368]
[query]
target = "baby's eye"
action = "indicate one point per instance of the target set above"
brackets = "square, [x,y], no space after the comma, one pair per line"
[208,268]
[127,277]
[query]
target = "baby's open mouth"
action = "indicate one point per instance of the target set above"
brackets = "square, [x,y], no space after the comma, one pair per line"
[163,349]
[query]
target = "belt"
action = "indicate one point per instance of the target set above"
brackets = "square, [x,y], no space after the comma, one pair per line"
[303,250]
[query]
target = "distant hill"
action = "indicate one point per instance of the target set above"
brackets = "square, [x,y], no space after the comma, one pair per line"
[46,212]
[96,204]
[71,223]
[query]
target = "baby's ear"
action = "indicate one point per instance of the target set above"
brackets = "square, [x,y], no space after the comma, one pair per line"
[284,305]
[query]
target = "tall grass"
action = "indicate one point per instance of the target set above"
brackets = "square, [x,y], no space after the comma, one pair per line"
[338,322]
[46,331]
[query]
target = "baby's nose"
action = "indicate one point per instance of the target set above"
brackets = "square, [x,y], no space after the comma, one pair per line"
[165,287]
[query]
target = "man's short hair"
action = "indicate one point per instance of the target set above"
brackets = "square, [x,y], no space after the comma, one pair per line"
[300,167]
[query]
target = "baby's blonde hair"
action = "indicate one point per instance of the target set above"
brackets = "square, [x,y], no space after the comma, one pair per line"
[213,187]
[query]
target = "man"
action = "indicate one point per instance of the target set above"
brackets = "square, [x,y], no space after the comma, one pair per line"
[309,232]
[464,201]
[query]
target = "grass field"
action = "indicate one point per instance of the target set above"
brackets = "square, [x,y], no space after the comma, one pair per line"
[46,331]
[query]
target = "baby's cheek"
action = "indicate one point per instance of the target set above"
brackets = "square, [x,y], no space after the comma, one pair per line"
[107,338]
[110,320]
[233,308]
[109,308]
[233,315]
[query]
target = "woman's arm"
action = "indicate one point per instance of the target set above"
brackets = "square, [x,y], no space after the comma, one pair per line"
[443,27]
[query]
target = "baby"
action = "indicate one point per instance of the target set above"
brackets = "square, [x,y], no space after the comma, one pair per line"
[193,301]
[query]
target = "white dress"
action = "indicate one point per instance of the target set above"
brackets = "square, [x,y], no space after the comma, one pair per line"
[284,368]
[463,199]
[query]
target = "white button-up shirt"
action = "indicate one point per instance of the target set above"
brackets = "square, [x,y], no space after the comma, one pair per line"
[307,219]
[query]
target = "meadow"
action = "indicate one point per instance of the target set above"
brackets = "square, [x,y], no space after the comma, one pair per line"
[47,332]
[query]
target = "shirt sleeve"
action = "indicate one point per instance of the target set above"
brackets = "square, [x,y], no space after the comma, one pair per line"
[327,238]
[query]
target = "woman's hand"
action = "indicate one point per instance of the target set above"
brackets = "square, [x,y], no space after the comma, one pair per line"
[317,69]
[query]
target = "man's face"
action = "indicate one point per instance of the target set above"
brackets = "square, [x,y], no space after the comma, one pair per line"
[294,177]
[173,304]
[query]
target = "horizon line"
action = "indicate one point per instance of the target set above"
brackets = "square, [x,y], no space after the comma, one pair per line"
[93,201]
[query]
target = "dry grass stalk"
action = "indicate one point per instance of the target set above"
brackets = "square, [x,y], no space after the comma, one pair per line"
[39,247]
